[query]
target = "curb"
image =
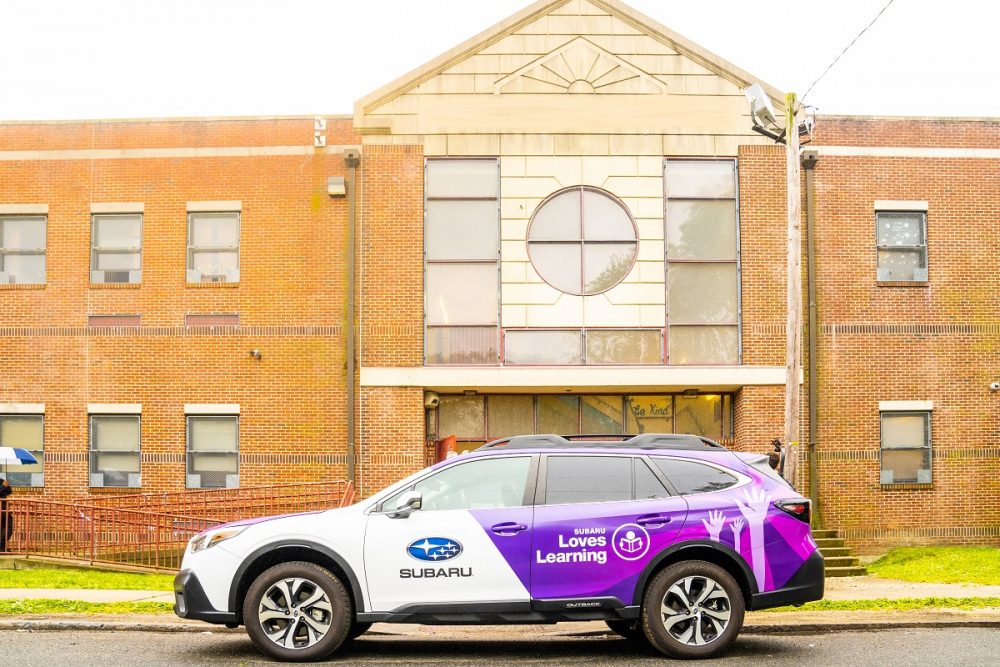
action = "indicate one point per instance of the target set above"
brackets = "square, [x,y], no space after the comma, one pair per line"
[115,626]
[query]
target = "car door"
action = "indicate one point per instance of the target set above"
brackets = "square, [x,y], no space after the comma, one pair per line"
[599,519]
[469,543]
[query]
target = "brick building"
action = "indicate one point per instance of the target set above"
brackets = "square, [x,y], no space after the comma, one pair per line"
[564,224]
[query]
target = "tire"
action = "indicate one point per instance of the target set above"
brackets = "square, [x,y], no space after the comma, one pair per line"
[358,629]
[692,609]
[297,612]
[631,630]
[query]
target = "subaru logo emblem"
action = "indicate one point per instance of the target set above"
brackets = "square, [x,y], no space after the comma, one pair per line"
[434,549]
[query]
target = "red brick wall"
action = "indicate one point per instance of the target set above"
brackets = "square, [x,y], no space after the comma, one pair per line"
[911,132]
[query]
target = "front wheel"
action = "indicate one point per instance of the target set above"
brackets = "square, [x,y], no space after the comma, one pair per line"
[692,609]
[297,612]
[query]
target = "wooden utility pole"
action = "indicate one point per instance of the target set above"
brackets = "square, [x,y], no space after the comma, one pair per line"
[793,323]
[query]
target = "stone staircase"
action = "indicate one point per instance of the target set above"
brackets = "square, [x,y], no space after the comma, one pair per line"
[838,558]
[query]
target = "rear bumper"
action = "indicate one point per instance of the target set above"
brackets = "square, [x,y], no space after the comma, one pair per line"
[804,586]
[191,602]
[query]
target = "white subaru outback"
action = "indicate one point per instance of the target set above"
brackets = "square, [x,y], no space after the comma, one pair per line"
[665,537]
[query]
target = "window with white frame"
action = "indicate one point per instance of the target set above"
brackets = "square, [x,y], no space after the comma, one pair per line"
[905,447]
[116,248]
[902,245]
[213,451]
[702,234]
[22,249]
[115,451]
[25,432]
[462,261]
[213,247]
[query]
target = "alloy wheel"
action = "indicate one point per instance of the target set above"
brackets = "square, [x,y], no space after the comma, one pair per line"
[295,613]
[695,610]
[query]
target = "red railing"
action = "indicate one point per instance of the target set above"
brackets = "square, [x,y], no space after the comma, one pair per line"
[151,530]
[233,504]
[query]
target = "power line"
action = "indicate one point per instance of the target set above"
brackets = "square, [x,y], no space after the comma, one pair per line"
[846,49]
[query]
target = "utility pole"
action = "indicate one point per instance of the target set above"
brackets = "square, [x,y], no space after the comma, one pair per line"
[793,323]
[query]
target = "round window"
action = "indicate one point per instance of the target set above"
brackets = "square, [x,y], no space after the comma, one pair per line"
[582,240]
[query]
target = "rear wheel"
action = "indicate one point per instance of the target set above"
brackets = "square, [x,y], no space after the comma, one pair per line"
[692,609]
[628,629]
[297,611]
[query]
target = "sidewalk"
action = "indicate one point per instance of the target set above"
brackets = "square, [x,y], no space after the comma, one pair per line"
[792,622]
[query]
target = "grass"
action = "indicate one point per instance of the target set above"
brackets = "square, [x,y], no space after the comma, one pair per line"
[22,606]
[84,578]
[904,604]
[942,565]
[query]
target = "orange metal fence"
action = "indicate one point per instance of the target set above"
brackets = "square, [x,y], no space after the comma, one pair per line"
[150,530]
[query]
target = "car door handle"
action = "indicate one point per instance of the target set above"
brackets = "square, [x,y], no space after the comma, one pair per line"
[653,520]
[508,528]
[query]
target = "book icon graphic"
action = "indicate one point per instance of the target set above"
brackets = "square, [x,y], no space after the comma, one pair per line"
[631,543]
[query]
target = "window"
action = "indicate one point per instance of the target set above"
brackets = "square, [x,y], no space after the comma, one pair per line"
[114,451]
[582,240]
[462,261]
[902,245]
[906,448]
[647,485]
[702,262]
[689,477]
[587,479]
[486,484]
[213,459]
[213,247]
[116,248]
[22,249]
[525,347]
[25,432]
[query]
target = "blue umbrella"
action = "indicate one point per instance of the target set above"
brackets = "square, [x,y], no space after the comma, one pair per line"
[16,456]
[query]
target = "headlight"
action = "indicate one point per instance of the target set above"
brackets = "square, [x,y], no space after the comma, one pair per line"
[211,538]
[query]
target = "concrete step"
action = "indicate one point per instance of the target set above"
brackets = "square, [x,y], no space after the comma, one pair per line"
[833,552]
[825,534]
[826,543]
[846,572]
[841,561]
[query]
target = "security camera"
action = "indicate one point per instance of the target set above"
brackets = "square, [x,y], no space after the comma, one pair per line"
[760,105]
[994,386]
[431,400]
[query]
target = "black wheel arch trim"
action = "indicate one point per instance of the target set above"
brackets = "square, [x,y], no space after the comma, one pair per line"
[730,553]
[352,579]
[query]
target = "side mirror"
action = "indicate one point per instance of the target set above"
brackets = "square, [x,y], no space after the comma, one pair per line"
[408,503]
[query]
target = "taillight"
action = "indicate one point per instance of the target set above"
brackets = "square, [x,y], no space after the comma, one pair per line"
[797,507]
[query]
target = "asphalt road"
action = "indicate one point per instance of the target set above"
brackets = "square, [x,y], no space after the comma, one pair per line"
[973,646]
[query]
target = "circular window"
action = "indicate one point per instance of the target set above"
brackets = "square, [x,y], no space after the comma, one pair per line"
[582,240]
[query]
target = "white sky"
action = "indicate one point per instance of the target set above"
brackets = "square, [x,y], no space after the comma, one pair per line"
[152,58]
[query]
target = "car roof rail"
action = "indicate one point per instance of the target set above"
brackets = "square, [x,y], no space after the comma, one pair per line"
[641,441]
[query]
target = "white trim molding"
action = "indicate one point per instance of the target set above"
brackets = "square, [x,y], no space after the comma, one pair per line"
[905,406]
[114,408]
[118,207]
[902,205]
[24,209]
[22,408]
[581,379]
[214,206]
[211,408]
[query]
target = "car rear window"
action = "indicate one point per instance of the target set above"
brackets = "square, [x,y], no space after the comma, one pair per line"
[588,479]
[690,477]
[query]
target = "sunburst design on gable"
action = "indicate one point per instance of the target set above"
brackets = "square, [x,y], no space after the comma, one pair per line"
[580,66]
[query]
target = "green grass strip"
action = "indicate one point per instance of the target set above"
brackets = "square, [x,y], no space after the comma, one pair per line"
[903,604]
[942,565]
[85,578]
[23,606]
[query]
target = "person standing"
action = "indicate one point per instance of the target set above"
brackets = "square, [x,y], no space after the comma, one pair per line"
[6,520]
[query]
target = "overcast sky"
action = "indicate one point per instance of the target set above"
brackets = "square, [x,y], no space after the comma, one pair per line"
[152,58]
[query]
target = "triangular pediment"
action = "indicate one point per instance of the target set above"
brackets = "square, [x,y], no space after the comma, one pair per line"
[579,66]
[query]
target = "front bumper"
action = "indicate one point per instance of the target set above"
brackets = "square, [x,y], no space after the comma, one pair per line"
[805,585]
[191,602]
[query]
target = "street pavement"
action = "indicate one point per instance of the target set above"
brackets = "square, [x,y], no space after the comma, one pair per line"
[914,648]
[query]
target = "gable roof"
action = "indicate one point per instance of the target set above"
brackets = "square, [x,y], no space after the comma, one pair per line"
[539,9]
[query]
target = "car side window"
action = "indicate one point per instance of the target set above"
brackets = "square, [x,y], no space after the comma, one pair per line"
[689,477]
[647,484]
[483,484]
[587,479]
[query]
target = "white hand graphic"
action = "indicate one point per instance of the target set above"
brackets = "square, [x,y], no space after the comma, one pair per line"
[755,511]
[716,520]
[737,527]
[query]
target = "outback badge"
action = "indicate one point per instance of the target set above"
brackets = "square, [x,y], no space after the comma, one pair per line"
[434,549]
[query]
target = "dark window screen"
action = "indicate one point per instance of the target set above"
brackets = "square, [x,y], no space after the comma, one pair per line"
[690,477]
[647,485]
[588,479]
